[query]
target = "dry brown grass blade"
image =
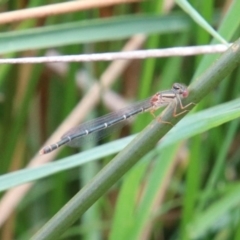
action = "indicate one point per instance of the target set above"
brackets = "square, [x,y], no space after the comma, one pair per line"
[57,9]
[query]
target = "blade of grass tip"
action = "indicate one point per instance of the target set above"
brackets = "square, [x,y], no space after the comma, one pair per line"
[228,28]
[141,145]
[186,6]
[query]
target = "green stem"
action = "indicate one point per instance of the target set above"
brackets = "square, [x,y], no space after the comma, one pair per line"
[141,145]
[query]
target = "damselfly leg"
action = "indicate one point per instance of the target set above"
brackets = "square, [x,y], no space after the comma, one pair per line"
[171,97]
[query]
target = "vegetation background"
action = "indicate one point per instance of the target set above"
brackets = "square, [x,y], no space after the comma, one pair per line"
[187,187]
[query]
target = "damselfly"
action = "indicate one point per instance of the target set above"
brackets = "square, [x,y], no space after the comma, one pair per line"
[103,124]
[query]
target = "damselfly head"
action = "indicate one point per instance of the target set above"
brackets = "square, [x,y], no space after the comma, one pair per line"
[180,89]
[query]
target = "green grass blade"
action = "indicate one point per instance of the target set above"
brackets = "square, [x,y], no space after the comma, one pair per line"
[200,20]
[91,31]
[228,28]
[209,218]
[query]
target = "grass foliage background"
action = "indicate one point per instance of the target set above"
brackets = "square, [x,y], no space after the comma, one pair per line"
[185,188]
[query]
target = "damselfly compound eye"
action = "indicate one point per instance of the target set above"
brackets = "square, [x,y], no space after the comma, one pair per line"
[176,86]
[180,89]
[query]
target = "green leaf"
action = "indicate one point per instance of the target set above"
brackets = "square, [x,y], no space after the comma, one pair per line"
[91,31]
